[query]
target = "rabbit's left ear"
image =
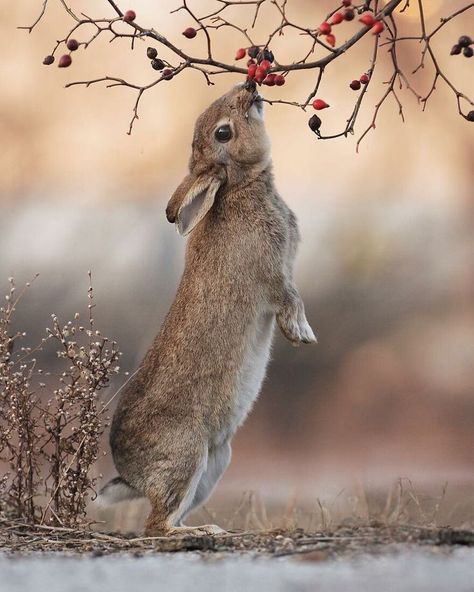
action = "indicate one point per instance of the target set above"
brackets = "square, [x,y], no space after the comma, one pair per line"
[192,200]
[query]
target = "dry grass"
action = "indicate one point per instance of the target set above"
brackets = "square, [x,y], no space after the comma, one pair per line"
[51,424]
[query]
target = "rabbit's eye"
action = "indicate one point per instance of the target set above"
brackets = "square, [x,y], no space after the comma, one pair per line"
[223,133]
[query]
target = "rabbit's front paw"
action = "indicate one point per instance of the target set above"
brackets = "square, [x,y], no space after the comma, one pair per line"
[295,327]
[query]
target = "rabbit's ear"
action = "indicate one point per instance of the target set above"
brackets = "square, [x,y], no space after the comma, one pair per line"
[192,200]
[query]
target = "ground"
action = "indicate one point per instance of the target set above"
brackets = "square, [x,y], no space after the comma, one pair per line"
[359,558]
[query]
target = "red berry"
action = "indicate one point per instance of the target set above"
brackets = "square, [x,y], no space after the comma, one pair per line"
[251,71]
[346,2]
[279,80]
[240,53]
[325,28]
[331,40]
[337,18]
[190,33]
[355,85]
[129,16]
[72,45]
[270,80]
[378,28]
[265,65]
[364,79]
[260,74]
[48,60]
[64,61]
[167,74]
[319,104]
[367,19]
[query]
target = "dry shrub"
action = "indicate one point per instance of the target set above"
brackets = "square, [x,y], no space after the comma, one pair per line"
[51,425]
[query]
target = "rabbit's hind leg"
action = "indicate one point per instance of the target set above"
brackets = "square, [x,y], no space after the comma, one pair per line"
[218,461]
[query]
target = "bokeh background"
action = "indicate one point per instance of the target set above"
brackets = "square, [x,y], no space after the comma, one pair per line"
[385,265]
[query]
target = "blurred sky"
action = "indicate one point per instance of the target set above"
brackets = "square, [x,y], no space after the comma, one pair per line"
[386,259]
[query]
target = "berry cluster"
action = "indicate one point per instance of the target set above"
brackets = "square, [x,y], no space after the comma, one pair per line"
[463,45]
[259,66]
[158,64]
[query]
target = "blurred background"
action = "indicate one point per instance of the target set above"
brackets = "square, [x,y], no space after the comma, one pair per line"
[385,265]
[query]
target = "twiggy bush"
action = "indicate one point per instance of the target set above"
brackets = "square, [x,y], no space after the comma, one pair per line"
[51,424]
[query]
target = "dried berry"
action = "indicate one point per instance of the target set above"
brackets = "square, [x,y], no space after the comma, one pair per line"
[72,44]
[253,52]
[314,122]
[337,18]
[151,53]
[250,62]
[378,28]
[367,19]
[279,80]
[346,2]
[470,116]
[240,53]
[48,60]
[355,85]
[331,40]
[468,52]
[324,28]
[364,79]
[65,61]
[456,50]
[129,16]
[464,41]
[319,104]
[157,64]
[349,14]
[167,74]
[190,33]
[268,55]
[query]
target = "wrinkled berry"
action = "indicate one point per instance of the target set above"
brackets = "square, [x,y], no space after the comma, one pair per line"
[468,52]
[157,64]
[455,50]
[314,122]
[346,2]
[464,41]
[129,16]
[48,60]
[72,44]
[64,61]
[349,14]
[190,33]
[268,55]
[253,52]
[151,53]
[470,116]
[167,74]
[355,85]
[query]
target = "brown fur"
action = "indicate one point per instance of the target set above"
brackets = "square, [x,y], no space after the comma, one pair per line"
[174,414]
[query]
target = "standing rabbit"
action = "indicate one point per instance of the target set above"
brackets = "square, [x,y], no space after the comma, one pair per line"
[175,420]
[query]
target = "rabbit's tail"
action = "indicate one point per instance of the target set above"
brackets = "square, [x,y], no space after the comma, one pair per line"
[117,490]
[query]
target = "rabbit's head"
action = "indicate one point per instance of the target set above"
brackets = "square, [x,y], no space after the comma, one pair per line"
[230,147]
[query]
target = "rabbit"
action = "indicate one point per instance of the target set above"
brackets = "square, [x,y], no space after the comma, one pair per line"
[171,432]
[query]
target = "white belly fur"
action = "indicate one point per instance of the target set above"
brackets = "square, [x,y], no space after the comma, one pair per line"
[252,372]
